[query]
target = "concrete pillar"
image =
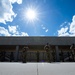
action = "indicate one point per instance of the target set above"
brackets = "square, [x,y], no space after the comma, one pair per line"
[57,54]
[16,53]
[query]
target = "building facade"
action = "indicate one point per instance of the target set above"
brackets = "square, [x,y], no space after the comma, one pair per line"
[11,49]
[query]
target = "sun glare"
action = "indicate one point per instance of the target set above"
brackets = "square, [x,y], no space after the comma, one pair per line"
[31,14]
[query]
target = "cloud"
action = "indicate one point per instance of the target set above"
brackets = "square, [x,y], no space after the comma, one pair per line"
[44,28]
[72,26]
[68,30]
[63,24]
[4,32]
[24,34]
[63,32]
[11,31]
[18,1]
[6,10]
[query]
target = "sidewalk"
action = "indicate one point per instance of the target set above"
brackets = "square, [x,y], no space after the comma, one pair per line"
[31,68]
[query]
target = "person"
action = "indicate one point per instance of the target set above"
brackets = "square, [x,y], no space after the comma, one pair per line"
[47,48]
[24,53]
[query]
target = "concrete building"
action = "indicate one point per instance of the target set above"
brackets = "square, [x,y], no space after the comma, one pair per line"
[11,48]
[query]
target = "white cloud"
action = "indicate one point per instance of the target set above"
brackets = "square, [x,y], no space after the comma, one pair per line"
[72,26]
[6,10]
[18,1]
[63,24]
[62,31]
[24,34]
[43,27]
[46,30]
[4,32]
[11,31]
[68,30]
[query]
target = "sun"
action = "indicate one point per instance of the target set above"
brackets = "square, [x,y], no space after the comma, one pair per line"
[31,14]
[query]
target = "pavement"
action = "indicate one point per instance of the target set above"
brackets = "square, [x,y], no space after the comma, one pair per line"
[7,68]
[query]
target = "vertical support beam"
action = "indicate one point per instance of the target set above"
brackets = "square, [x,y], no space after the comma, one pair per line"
[57,54]
[16,53]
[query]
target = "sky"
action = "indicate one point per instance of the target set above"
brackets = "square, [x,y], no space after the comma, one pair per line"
[37,17]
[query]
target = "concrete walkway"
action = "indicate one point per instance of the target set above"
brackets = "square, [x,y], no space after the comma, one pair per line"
[32,68]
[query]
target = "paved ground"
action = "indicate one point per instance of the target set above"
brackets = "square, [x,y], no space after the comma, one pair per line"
[32,68]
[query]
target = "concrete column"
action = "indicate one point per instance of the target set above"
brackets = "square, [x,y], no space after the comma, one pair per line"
[16,53]
[57,54]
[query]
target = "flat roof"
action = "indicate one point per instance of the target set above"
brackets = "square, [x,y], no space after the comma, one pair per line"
[36,40]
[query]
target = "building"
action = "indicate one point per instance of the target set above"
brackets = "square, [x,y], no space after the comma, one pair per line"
[11,48]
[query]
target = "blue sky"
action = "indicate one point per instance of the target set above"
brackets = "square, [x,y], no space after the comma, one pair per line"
[48,18]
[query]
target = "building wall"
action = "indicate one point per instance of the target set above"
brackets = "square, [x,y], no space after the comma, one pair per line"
[16,44]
